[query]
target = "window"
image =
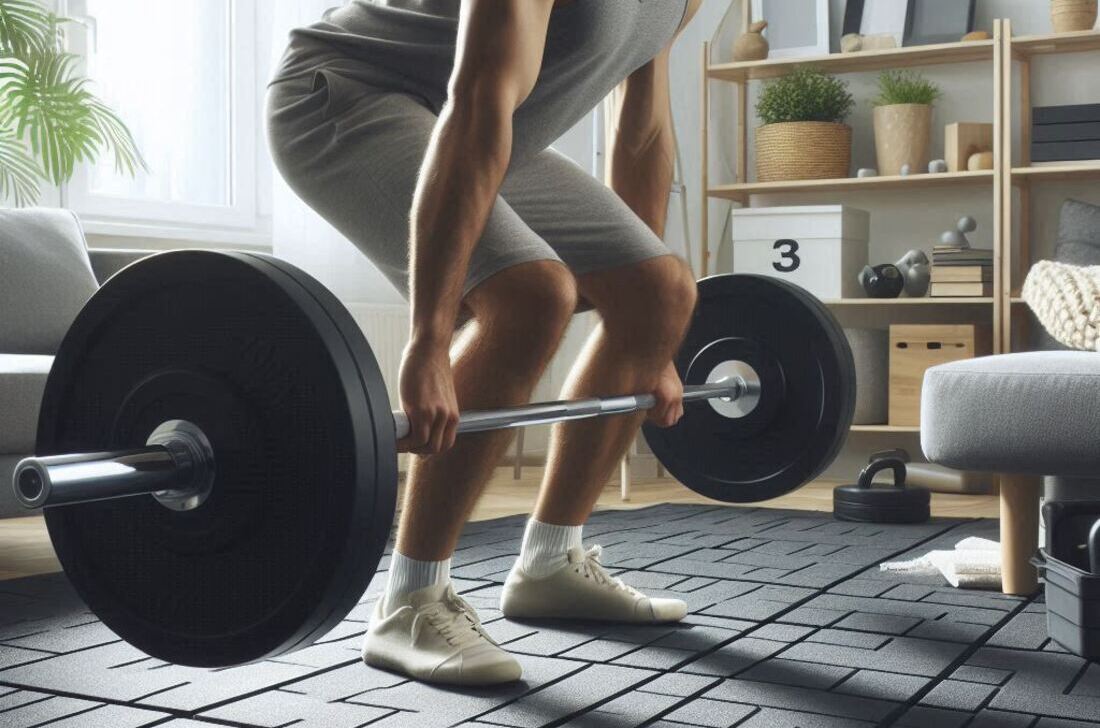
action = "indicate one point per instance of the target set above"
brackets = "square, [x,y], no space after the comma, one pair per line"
[182,76]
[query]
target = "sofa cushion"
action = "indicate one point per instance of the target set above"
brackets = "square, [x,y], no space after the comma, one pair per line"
[22,380]
[47,278]
[1036,412]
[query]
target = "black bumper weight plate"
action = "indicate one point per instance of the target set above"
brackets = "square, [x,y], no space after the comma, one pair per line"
[807,402]
[296,412]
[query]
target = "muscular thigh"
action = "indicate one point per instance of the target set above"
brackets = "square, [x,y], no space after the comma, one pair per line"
[353,153]
[586,224]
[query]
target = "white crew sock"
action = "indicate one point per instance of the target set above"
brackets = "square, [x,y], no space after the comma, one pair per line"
[545,547]
[409,575]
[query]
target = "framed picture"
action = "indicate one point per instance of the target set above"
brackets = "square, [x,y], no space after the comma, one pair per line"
[795,27]
[939,21]
[878,17]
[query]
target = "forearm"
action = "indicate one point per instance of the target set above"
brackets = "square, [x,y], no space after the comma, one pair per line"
[459,180]
[641,173]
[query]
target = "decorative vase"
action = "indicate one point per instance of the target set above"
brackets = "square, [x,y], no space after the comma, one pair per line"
[1068,16]
[795,150]
[903,136]
[751,45]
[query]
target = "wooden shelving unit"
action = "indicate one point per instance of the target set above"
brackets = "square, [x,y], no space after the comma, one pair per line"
[1020,175]
[741,191]
[926,55]
[740,75]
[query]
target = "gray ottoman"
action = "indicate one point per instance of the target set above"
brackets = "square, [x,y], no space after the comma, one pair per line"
[1024,416]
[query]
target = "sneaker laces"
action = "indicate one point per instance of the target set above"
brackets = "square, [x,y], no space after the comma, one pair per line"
[454,619]
[587,562]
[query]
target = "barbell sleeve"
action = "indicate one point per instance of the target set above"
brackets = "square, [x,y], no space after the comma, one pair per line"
[57,480]
[538,413]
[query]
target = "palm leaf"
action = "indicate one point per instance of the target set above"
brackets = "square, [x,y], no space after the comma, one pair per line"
[24,26]
[19,177]
[116,137]
[53,108]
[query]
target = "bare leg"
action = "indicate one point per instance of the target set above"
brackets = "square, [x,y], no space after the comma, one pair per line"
[520,315]
[645,310]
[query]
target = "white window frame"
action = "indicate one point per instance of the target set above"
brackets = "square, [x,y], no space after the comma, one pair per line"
[235,222]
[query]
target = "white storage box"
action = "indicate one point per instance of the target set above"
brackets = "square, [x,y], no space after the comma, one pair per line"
[821,248]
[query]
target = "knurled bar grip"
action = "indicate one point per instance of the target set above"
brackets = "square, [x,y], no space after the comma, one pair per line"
[539,413]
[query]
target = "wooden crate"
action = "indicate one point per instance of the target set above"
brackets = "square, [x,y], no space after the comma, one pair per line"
[962,139]
[916,347]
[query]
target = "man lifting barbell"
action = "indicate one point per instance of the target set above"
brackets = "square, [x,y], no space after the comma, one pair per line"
[364,129]
[216,452]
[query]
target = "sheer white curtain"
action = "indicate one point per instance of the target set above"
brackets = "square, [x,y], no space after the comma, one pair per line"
[300,235]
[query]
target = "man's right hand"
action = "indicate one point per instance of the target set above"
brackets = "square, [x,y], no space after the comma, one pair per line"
[428,398]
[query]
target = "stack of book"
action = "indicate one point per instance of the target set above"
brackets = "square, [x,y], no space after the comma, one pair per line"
[962,272]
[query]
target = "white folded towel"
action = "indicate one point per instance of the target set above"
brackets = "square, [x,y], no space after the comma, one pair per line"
[974,564]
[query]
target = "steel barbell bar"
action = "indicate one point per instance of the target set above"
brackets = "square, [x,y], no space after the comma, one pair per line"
[177,465]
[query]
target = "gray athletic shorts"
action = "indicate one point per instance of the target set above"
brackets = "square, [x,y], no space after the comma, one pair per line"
[352,152]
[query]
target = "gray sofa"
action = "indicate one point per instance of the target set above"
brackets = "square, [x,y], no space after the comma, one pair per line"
[46,275]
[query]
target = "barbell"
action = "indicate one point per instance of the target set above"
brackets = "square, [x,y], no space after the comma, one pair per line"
[216,450]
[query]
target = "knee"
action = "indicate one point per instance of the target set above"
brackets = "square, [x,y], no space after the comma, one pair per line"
[533,304]
[661,301]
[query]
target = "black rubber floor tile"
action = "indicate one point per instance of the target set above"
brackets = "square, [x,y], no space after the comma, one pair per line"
[901,654]
[626,711]
[276,708]
[708,713]
[111,716]
[1042,683]
[958,695]
[791,624]
[43,708]
[1001,719]
[923,716]
[575,694]
[795,674]
[803,700]
[735,657]
[680,684]
[883,685]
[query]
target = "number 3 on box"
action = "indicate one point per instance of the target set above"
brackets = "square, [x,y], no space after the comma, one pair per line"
[789,258]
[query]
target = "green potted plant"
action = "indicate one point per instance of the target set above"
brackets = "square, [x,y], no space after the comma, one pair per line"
[49,120]
[803,134]
[903,121]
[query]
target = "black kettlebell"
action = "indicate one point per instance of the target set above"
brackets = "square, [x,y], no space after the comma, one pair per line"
[882,281]
[864,502]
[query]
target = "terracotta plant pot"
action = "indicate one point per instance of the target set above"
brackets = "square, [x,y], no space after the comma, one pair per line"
[795,150]
[903,135]
[1068,16]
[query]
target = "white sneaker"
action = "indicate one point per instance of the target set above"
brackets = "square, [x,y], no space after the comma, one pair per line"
[582,589]
[437,637]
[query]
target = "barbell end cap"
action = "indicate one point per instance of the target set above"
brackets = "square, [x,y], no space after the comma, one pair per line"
[31,483]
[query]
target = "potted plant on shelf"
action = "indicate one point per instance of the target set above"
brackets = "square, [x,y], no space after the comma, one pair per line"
[1067,16]
[903,121]
[803,135]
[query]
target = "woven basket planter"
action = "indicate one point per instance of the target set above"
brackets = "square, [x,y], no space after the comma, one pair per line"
[1067,16]
[794,150]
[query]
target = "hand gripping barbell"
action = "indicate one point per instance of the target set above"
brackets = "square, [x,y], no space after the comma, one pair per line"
[238,392]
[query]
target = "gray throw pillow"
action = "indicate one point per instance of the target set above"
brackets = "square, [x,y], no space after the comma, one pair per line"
[45,278]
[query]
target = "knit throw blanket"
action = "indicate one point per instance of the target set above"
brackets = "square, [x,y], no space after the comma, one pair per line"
[1066,300]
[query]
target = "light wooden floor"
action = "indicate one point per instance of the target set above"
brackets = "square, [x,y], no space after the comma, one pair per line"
[25,546]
